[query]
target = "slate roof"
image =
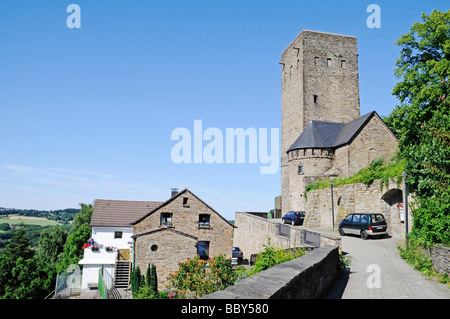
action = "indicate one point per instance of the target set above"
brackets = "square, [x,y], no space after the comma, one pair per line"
[120,213]
[320,134]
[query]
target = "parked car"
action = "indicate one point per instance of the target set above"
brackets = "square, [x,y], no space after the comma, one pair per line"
[364,225]
[294,218]
[237,253]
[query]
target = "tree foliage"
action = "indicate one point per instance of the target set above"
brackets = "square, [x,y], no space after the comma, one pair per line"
[21,274]
[201,277]
[422,122]
[78,236]
[27,273]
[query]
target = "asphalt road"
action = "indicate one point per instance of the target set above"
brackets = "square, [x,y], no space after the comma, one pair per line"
[378,272]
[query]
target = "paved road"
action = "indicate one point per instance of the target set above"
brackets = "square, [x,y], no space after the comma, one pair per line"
[377,271]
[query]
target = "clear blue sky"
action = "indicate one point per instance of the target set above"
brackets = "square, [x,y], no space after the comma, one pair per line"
[88,113]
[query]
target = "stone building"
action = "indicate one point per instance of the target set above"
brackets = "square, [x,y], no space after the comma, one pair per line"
[323,133]
[181,227]
[155,232]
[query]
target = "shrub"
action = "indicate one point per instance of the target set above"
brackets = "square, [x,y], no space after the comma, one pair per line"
[200,277]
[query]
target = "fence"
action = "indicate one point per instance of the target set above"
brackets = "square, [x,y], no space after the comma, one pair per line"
[69,283]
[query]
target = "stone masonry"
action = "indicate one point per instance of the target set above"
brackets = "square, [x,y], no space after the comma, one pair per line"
[321,113]
[166,245]
[320,81]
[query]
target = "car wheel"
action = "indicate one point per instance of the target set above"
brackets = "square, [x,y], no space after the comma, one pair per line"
[364,235]
[341,232]
[293,222]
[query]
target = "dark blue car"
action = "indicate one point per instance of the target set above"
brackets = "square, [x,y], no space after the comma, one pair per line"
[294,218]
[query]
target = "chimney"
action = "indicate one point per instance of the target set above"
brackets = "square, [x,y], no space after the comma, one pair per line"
[174,191]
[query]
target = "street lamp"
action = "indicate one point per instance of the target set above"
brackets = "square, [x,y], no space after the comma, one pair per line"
[405,187]
[332,202]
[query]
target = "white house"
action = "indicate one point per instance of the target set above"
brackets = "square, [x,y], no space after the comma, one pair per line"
[111,242]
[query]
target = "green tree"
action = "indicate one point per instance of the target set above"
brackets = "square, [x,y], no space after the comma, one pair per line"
[51,244]
[422,120]
[78,236]
[21,275]
[135,281]
[19,245]
[153,282]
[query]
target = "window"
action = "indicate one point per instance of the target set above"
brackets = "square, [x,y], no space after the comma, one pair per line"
[315,98]
[316,60]
[117,234]
[185,201]
[300,169]
[203,221]
[203,249]
[328,61]
[342,63]
[154,247]
[166,219]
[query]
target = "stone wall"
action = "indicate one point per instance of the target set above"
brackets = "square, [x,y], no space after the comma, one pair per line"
[253,233]
[357,197]
[164,248]
[440,256]
[374,141]
[186,210]
[306,277]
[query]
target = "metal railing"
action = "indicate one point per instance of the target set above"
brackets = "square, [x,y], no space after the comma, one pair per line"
[105,282]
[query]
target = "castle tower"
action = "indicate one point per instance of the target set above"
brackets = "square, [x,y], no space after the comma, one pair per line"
[319,82]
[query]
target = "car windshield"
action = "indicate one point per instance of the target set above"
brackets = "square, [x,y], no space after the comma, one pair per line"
[377,218]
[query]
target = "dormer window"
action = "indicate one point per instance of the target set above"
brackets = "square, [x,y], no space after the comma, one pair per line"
[203,221]
[166,219]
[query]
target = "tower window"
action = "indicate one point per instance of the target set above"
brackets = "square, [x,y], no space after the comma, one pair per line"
[329,61]
[300,169]
[316,60]
[315,98]
[342,63]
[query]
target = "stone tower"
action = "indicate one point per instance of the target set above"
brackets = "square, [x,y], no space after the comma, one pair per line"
[319,82]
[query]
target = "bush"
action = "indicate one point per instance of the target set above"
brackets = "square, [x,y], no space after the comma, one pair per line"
[200,277]
[375,171]
[272,256]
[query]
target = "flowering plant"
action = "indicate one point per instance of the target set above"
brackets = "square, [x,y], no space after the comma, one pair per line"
[94,248]
[109,248]
[85,246]
[202,277]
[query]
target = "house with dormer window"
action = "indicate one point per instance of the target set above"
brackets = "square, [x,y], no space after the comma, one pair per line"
[136,233]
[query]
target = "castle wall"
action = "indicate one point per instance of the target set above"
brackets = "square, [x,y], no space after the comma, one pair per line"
[355,198]
[374,141]
[314,163]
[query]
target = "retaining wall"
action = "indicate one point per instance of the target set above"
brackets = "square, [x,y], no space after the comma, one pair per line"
[306,277]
